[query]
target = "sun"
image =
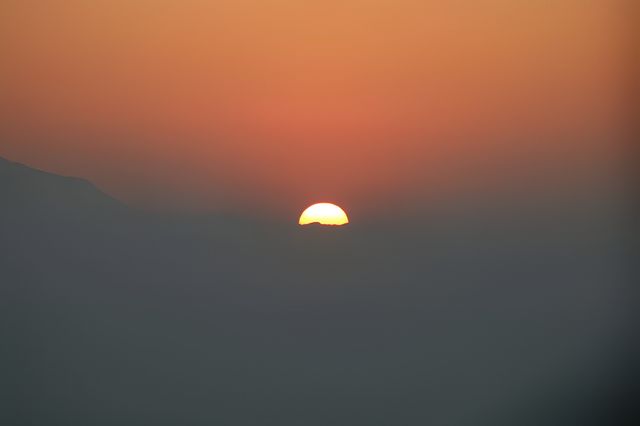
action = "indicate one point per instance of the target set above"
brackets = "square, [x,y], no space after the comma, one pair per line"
[324,214]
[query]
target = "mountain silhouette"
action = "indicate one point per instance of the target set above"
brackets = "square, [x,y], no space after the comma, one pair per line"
[24,187]
[112,316]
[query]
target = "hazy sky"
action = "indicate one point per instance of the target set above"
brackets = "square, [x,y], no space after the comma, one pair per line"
[237,104]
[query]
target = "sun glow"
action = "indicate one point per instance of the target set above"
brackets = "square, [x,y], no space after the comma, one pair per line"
[324,214]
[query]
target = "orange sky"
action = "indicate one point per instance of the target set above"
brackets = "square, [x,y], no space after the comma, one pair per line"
[238,104]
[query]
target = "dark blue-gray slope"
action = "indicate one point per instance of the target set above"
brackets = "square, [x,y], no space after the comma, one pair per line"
[470,317]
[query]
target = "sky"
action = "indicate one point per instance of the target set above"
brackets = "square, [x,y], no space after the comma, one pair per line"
[271,105]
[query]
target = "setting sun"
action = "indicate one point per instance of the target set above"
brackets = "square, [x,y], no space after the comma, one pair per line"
[324,214]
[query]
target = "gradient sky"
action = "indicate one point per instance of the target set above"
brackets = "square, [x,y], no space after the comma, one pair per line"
[272,105]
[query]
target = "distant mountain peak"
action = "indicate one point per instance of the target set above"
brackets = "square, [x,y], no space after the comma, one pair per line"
[33,191]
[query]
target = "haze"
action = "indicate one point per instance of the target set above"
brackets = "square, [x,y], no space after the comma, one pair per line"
[155,159]
[271,105]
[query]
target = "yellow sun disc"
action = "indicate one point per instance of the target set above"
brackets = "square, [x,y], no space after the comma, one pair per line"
[324,214]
